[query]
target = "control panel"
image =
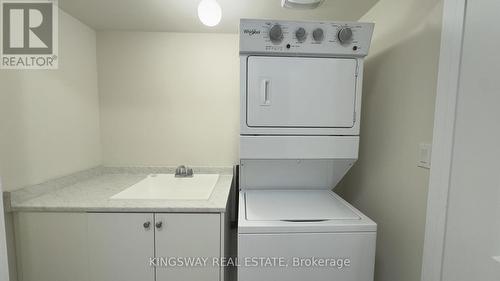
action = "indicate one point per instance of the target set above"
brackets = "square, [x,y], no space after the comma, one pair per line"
[326,38]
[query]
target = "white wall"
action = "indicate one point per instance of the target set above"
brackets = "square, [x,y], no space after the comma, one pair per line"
[4,262]
[168,98]
[49,120]
[397,114]
[473,216]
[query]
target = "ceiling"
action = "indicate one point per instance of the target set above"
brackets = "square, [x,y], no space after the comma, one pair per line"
[181,15]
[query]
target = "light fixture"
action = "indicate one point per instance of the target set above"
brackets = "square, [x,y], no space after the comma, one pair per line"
[301,4]
[209,12]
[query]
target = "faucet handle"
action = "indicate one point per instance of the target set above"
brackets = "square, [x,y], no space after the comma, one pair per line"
[183,172]
[180,171]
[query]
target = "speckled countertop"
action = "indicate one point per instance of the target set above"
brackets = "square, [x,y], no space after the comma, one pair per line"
[90,190]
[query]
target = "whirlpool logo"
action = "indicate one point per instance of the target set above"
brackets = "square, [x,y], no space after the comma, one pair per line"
[251,31]
[29,34]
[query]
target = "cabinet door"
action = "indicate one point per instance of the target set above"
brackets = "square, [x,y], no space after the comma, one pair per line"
[51,246]
[185,236]
[120,246]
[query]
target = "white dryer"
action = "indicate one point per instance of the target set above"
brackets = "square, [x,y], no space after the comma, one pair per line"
[300,113]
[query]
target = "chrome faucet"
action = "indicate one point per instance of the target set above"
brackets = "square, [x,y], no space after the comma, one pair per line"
[183,172]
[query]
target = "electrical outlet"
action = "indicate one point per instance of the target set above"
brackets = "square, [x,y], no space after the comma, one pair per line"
[424,155]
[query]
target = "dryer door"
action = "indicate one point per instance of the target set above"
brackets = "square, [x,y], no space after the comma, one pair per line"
[301,92]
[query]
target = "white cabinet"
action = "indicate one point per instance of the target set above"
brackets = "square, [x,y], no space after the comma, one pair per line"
[116,246]
[51,246]
[120,246]
[188,236]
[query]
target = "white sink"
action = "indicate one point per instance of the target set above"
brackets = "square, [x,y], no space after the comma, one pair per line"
[167,186]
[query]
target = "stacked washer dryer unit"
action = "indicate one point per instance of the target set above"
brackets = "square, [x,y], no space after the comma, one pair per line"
[300,119]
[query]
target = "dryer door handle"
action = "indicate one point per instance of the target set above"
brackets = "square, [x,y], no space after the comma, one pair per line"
[265,92]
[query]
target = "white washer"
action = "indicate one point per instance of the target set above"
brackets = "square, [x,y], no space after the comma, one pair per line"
[300,116]
[293,224]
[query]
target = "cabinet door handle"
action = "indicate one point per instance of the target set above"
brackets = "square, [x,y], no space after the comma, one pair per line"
[147,224]
[159,225]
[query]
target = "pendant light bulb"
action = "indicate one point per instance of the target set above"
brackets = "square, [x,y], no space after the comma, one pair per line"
[209,12]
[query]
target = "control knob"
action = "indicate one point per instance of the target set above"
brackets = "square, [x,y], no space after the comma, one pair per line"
[276,33]
[318,35]
[345,35]
[301,34]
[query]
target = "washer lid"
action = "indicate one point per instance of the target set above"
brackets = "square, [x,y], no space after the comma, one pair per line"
[295,206]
